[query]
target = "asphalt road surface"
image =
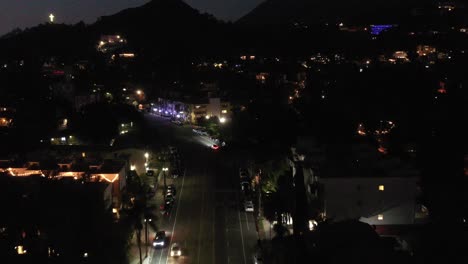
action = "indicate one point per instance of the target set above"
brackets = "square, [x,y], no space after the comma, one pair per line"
[208,220]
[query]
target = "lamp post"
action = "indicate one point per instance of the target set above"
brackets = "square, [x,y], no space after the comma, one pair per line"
[146,235]
[164,174]
[146,160]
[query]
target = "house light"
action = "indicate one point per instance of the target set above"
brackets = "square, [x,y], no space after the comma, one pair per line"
[207,117]
[381,188]
[20,249]
[224,111]
[380,217]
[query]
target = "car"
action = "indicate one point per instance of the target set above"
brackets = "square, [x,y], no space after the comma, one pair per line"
[176,251]
[172,150]
[175,173]
[214,146]
[243,173]
[177,122]
[166,208]
[150,173]
[248,206]
[245,186]
[171,189]
[257,258]
[159,239]
[169,197]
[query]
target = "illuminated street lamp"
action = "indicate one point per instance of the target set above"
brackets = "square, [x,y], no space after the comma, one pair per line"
[139,92]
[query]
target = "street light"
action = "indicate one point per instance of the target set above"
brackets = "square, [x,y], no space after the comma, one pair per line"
[146,157]
[146,235]
[222,120]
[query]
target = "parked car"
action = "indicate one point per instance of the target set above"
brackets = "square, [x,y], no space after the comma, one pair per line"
[166,208]
[175,173]
[171,189]
[243,173]
[176,251]
[245,186]
[169,198]
[172,150]
[159,239]
[257,258]
[248,206]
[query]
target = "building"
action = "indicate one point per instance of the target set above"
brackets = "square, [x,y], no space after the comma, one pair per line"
[193,110]
[6,116]
[111,43]
[113,172]
[362,185]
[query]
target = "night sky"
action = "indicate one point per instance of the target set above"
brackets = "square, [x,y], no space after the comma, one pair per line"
[27,13]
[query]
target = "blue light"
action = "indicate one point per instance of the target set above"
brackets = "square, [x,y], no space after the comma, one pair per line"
[377,29]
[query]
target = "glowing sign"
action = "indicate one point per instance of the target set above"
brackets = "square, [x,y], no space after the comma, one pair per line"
[377,29]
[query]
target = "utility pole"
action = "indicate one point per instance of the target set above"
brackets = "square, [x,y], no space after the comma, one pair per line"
[146,238]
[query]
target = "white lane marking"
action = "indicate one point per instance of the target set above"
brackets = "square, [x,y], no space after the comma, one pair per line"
[201,217]
[177,212]
[160,255]
[246,221]
[242,237]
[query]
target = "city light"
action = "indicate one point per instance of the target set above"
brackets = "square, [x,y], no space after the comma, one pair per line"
[222,120]
[139,92]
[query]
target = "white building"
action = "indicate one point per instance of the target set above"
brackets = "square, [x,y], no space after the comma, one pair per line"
[373,200]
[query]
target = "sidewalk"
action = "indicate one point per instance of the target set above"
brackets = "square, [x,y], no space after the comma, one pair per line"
[264,230]
[133,254]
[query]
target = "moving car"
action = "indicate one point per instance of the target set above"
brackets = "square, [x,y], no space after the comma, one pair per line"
[248,206]
[160,239]
[176,251]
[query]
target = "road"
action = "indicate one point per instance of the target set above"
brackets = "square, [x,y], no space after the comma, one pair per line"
[207,220]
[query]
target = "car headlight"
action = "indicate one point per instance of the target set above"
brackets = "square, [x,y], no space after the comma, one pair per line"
[154,244]
[172,253]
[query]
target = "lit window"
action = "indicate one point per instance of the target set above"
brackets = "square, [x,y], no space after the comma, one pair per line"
[381,187]
[380,217]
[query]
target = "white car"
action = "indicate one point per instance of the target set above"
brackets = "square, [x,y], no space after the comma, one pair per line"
[176,251]
[248,206]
